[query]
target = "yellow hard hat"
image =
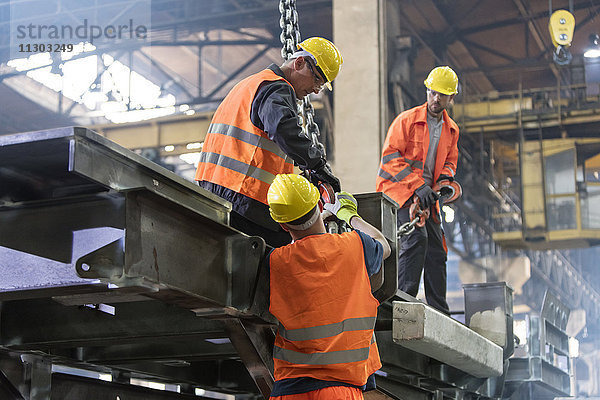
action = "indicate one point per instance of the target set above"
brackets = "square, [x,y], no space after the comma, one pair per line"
[290,197]
[442,80]
[328,57]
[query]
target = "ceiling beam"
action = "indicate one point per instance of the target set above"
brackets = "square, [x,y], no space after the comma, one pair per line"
[528,65]
[466,15]
[227,20]
[458,46]
[537,37]
[169,75]
[489,50]
[515,21]
[237,71]
[136,46]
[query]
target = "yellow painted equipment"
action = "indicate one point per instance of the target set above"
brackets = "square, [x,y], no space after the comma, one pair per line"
[562,25]
[560,186]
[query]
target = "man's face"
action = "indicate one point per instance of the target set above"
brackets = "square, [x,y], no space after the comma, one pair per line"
[437,102]
[309,80]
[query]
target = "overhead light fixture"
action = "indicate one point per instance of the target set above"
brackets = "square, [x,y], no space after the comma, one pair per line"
[593,51]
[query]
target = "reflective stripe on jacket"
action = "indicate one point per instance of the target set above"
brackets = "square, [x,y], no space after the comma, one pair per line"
[405,149]
[321,295]
[236,154]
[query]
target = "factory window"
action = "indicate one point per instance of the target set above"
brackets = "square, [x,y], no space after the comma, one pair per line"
[561,213]
[590,213]
[560,173]
[560,190]
[588,184]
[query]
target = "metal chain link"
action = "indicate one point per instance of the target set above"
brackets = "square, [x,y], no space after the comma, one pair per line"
[290,32]
[407,228]
[311,127]
[290,37]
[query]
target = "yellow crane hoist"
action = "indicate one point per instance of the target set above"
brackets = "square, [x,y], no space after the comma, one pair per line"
[562,25]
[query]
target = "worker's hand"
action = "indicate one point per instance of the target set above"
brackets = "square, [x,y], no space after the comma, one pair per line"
[427,197]
[345,207]
[324,174]
[445,178]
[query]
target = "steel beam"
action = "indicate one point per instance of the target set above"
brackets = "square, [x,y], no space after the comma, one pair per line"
[427,331]
[71,387]
[254,343]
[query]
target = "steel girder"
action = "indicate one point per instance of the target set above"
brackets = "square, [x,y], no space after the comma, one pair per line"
[115,264]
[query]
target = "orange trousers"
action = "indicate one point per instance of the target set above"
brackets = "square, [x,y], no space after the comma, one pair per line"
[329,393]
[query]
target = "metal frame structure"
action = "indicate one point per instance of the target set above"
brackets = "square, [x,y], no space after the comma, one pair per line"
[128,269]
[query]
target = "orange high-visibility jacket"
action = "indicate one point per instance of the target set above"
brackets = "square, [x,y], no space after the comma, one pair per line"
[321,295]
[237,154]
[405,150]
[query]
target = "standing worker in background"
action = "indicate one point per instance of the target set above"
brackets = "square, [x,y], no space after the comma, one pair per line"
[421,148]
[256,134]
[320,293]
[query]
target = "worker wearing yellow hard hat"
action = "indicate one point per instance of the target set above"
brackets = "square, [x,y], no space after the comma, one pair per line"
[256,134]
[327,57]
[318,283]
[442,80]
[291,197]
[421,149]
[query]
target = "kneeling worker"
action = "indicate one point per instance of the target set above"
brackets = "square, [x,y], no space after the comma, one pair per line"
[320,293]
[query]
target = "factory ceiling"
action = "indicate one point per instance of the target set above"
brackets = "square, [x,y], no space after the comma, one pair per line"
[495,46]
[197,50]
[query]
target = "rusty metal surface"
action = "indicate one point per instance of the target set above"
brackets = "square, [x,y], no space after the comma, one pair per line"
[77,209]
[380,211]
[138,264]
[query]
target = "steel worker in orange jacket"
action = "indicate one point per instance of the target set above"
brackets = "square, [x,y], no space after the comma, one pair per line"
[320,293]
[421,149]
[255,134]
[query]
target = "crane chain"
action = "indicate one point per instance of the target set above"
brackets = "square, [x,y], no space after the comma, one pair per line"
[290,32]
[312,129]
[290,37]
[407,228]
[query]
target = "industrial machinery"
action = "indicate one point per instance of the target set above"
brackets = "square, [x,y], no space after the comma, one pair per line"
[116,271]
[559,185]
[561,26]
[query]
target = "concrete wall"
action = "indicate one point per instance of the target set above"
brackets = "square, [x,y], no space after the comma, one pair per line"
[359,33]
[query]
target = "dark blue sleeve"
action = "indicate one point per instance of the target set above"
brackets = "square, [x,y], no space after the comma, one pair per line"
[373,251]
[267,260]
[274,111]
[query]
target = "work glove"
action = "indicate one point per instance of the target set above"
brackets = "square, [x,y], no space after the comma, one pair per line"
[445,178]
[427,197]
[345,207]
[324,174]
